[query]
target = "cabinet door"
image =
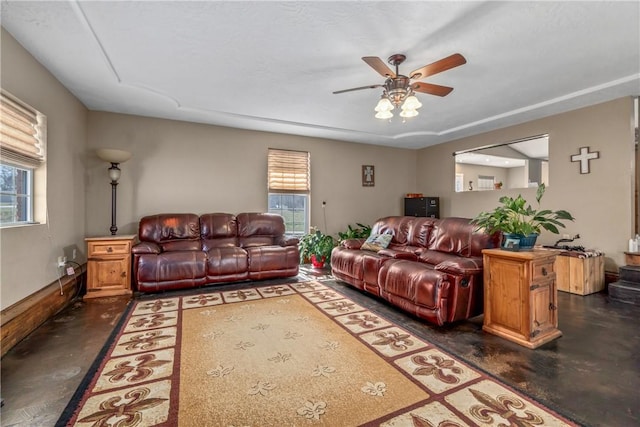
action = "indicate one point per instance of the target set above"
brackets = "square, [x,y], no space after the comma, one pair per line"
[506,293]
[415,206]
[107,273]
[543,308]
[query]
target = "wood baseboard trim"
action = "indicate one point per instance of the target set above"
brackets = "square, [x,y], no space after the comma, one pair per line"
[23,317]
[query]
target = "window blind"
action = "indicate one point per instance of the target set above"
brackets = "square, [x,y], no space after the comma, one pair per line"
[288,171]
[22,132]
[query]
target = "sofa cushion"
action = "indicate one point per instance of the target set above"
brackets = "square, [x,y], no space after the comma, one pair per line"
[451,235]
[259,229]
[420,231]
[413,281]
[166,228]
[181,245]
[398,226]
[271,258]
[218,230]
[376,242]
[434,258]
[171,266]
[224,261]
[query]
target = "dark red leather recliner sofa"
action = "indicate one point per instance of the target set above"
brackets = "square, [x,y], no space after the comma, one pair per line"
[178,251]
[432,268]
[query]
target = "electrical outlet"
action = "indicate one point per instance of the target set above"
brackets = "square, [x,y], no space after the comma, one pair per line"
[62,261]
[74,254]
[566,236]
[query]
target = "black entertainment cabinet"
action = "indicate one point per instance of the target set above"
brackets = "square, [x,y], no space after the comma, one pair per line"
[422,206]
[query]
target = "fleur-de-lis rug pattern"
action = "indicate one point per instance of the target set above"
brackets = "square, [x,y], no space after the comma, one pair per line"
[298,354]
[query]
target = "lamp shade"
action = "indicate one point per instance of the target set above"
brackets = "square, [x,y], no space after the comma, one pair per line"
[384,115]
[384,105]
[406,113]
[411,103]
[112,155]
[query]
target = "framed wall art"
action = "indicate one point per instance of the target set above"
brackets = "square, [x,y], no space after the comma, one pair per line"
[368,176]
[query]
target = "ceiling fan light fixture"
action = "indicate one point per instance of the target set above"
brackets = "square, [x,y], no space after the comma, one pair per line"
[384,105]
[407,113]
[384,114]
[411,103]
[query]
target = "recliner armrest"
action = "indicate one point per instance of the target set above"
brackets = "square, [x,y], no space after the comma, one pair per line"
[410,256]
[146,248]
[352,243]
[287,241]
[463,266]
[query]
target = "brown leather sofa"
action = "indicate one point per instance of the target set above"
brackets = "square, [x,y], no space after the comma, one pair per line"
[178,251]
[432,268]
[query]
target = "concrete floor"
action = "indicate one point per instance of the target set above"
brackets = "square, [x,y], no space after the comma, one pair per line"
[591,374]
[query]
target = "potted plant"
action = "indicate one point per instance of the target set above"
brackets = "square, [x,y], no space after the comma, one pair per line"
[361,231]
[316,247]
[520,223]
[497,185]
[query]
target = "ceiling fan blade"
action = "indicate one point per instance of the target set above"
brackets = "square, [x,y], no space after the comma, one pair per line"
[444,64]
[357,88]
[431,89]
[378,65]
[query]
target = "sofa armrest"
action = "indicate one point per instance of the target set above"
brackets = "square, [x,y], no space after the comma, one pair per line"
[287,241]
[463,266]
[146,248]
[410,256]
[352,243]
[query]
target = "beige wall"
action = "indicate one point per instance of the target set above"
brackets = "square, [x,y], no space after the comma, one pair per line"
[183,167]
[601,201]
[28,254]
[187,167]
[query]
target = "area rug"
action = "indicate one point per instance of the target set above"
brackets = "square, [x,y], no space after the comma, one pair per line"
[288,355]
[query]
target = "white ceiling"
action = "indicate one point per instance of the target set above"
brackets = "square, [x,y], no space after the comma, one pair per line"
[273,66]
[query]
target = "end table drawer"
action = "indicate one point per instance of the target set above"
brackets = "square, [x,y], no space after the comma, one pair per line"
[109,248]
[543,269]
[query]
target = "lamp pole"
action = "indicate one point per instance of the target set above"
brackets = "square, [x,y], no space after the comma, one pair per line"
[115,157]
[114,174]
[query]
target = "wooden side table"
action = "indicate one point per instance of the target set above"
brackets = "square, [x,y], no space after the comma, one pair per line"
[520,296]
[109,265]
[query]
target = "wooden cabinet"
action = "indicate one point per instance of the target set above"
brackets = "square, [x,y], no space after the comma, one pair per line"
[109,266]
[520,296]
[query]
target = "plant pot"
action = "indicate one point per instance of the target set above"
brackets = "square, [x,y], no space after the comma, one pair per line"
[318,262]
[518,242]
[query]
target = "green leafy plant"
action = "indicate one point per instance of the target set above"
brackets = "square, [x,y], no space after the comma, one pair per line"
[361,231]
[316,243]
[514,216]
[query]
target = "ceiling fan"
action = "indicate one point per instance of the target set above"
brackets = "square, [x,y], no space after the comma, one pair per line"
[399,90]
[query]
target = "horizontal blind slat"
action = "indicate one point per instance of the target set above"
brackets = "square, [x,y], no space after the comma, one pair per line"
[21,132]
[288,171]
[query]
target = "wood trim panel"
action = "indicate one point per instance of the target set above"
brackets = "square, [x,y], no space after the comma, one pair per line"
[23,317]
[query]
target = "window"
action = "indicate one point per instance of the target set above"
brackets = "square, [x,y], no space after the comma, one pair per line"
[22,153]
[485,182]
[289,188]
[459,182]
[16,194]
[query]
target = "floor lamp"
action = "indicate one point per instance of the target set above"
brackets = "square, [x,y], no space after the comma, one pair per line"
[115,157]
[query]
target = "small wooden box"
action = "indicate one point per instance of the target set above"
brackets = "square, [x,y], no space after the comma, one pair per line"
[582,276]
[632,258]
